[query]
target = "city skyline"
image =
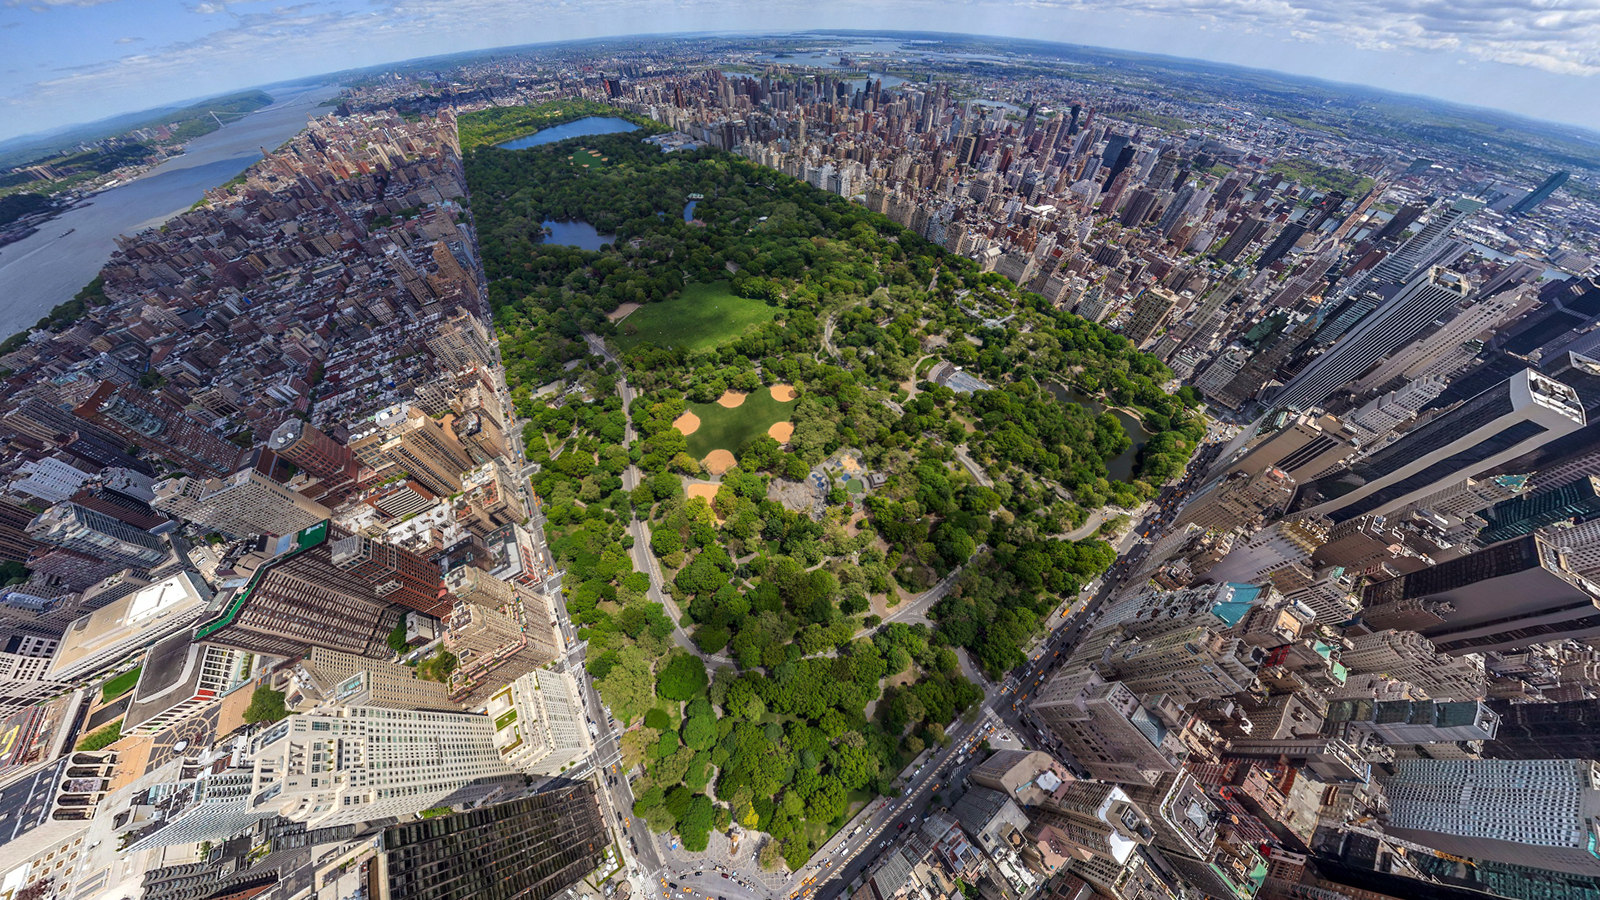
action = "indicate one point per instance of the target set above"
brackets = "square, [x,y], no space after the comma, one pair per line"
[75,62]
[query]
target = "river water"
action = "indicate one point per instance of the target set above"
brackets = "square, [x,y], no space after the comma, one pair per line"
[45,268]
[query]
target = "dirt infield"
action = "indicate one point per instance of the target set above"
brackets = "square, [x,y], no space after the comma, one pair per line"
[622,311]
[688,423]
[708,491]
[731,399]
[718,462]
[781,431]
[783,393]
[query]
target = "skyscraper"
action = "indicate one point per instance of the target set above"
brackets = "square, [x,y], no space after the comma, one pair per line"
[1395,322]
[408,440]
[1242,237]
[299,597]
[1541,813]
[1500,424]
[1504,598]
[320,456]
[1532,511]
[1540,194]
[95,534]
[358,764]
[244,503]
[1106,728]
[530,848]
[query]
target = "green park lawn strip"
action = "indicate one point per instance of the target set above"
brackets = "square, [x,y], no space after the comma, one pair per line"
[727,429]
[119,685]
[700,318]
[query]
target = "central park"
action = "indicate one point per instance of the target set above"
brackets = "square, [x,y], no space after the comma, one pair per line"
[778,331]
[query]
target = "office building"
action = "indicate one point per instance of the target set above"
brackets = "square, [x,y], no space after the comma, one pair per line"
[531,848]
[1105,727]
[1566,730]
[1540,194]
[244,503]
[1469,495]
[97,535]
[1543,813]
[1417,721]
[157,427]
[539,722]
[396,574]
[1189,666]
[1395,322]
[1242,237]
[1301,446]
[179,678]
[297,598]
[1497,426]
[107,635]
[1529,512]
[1412,658]
[344,765]
[1432,245]
[1506,597]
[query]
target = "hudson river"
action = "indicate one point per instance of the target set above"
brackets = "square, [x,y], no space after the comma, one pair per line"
[45,268]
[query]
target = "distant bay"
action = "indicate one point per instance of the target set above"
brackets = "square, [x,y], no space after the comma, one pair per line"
[48,267]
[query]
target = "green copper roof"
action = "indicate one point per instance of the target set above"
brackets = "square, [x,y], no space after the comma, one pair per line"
[289,545]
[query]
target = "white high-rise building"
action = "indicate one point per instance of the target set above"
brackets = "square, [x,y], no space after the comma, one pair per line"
[356,764]
[1527,812]
[244,503]
[539,722]
[1381,415]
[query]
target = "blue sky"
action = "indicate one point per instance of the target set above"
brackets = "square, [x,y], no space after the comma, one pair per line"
[67,61]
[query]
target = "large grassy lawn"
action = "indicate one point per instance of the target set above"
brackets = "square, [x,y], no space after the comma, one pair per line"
[727,429]
[119,685]
[701,317]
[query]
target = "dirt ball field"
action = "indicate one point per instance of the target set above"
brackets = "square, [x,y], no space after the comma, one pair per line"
[731,399]
[719,461]
[688,423]
[781,431]
[708,491]
[783,393]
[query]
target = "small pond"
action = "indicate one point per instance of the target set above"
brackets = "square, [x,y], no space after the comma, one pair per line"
[576,234]
[1121,467]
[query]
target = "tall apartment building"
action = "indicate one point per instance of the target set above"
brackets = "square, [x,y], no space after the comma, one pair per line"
[1378,417]
[1189,665]
[97,535]
[157,427]
[477,586]
[1543,812]
[244,503]
[1469,495]
[1579,545]
[531,848]
[462,341]
[1529,512]
[1241,500]
[297,598]
[405,439]
[1281,551]
[1150,313]
[331,677]
[1500,424]
[396,574]
[358,764]
[539,722]
[1504,598]
[1412,658]
[1087,819]
[1105,727]
[1395,322]
[336,469]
